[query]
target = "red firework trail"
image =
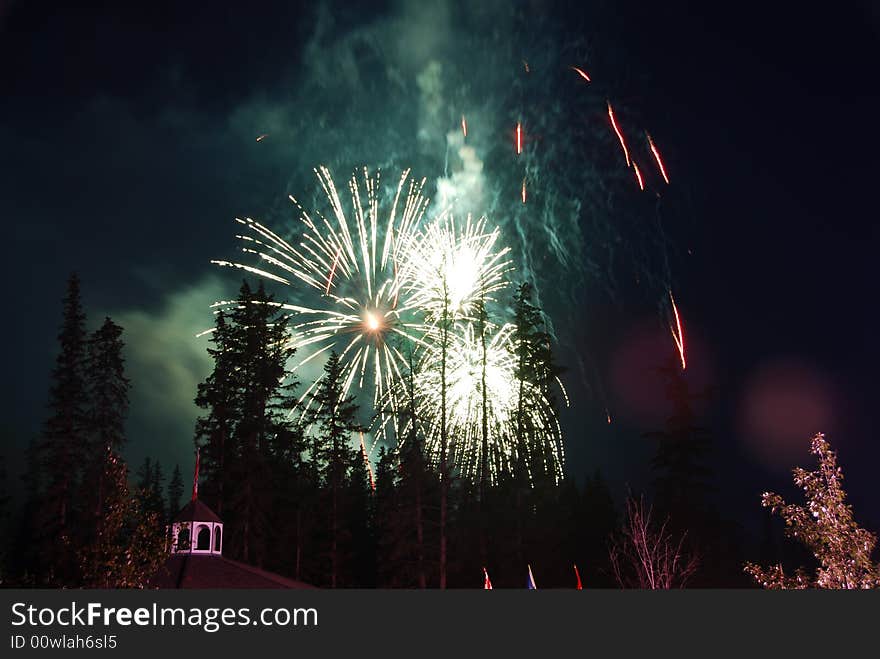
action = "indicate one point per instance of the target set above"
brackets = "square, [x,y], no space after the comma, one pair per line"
[638,175]
[581,73]
[677,334]
[524,191]
[657,157]
[617,131]
[518,138]
[463,126]
[332,270]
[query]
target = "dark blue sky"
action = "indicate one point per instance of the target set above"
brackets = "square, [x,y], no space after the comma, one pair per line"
[127,135]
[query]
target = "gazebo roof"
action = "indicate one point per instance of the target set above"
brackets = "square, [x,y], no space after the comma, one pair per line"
[196,511]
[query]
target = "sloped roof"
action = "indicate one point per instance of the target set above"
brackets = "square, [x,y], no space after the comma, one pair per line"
[196,511]
[213,571]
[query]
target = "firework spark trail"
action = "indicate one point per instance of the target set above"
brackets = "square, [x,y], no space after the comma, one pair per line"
[332,271]
[677,334]
[524,191]
[518,138]
[446,268]
[618,132]
[262,137]
[657,157]
[638,175]
[464,359]
[353,312]
[581,73]
[463,126]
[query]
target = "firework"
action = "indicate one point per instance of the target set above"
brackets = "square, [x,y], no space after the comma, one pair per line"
[464,406]
[657,157]
[523,193]
[262,137]
[463,126]
[581,73]
[677,334]
[638,175]
[446,268]
[518,138]
[618,133]
[343,273]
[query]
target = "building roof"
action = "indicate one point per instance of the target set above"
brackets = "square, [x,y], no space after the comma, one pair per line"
[213,571]
[196,511]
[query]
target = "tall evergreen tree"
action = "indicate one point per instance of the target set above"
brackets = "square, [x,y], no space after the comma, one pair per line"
[335,418]
[107,389]
[64,443]
[681,476]
[218,394]
[246,430]
[175,492]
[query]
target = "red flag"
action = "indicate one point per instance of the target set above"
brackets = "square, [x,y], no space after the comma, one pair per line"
[487,585]
[580,586]
[196,478]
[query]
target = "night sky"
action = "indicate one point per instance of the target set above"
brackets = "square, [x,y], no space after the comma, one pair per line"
[127,136]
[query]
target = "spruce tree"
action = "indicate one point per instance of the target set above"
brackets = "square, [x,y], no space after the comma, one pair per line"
[247,432]
[334,417]
[681,476]
[64,443]
[107,389]
[175,492]
[215,431]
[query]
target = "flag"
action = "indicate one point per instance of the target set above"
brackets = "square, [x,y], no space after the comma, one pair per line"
[530,582]
[487,585]
[580,586]
[196,478]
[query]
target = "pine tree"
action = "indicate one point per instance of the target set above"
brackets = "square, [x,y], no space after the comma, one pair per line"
[825,525]
[157,500]
[175,492]
[246,431]
[535,370]
[63,447]
[107,389]
[359,520]
[681,476]
[214,432]
[335,418]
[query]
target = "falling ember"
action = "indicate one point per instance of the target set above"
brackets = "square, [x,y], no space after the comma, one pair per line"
[518,138]
[581,73]
[677,334]
[367,464]
[463,126]
[526,66]
[657,157]
[617,131]
[638,175]
[332,271]
[262,137]
[608,416]
[524,191]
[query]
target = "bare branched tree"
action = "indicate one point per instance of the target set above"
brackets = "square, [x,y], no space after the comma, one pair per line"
[646,555]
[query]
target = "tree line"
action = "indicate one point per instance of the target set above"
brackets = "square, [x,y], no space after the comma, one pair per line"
[299,496]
